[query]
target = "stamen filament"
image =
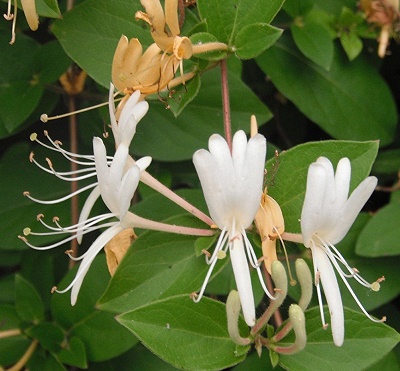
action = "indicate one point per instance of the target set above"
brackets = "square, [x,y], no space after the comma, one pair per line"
[52,202]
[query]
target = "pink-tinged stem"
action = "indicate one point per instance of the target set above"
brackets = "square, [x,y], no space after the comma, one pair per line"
[292,237]
[225,103]
[152,182]
[136,221]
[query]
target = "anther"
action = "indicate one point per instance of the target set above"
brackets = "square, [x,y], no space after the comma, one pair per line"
[26,231]
[33,137]
[31,156]
[23,239]
[26,193]
[56,219]
[193,295]
[68,252]
[53,289]
[206,253]
[58,142]
[221,254]
[44,117]
[46,133]
[39,216]
[324,327]
[49,163]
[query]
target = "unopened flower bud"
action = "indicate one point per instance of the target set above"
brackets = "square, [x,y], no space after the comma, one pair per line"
[304,276]
[232,314]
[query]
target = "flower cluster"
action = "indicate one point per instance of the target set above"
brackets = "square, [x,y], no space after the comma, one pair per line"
[115,179]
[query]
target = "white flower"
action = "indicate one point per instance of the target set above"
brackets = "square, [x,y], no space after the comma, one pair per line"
[116,186]
[232,186]
[327,215]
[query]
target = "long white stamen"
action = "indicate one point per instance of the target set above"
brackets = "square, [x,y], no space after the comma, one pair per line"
[57,173]
[251,255]
[221,242]
[52,202]
[383,319]
[203,287]
[317,285]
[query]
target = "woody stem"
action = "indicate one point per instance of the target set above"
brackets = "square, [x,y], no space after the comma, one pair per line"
[225,103]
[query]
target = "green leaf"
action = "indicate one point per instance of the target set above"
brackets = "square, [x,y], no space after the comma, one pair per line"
[11,348]
[180,97]
[17,211]
[50,336]
[102,336]
[27,301]
[351,101]
[289,180]
[351,43]
[158,265]
[314,41]
[187,335]
[381,235]
[74,354]
[387,162]
[253,39]
[365,343]
[225,19]
[48,8]
[201,118]
[98,25]
[297,7]
[17,102]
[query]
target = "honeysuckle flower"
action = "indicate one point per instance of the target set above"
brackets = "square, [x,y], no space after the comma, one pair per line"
[153,70]
[150,72]
[232,186]
[116,182]
[327,215]
[29,8]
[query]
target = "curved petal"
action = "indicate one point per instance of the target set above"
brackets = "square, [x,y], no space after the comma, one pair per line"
[129,184]
[242,278]
[351,209]
[313,201]
[97,245]
[332,294]
[87,208]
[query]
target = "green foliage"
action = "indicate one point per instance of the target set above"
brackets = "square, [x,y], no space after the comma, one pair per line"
[177,328]
[365,341]
[309,63]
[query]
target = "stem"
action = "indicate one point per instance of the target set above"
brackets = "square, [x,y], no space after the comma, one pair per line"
[25,358]
[152,182]
[292,237]
[135,221]
[9,333]
[270,286]
[225,103]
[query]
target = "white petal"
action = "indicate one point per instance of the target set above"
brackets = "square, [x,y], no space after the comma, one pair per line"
[111,109]
[252,178]
[352,208]
[239,145]
[97,245]
[243,281]
[143,163]
[342,182]
[87,208]
[129,184]
[312,207]
[215,182]
[332,294]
